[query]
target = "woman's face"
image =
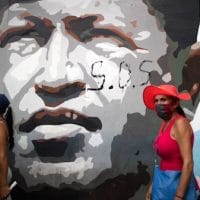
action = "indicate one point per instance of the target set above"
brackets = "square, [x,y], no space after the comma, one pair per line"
[166,100]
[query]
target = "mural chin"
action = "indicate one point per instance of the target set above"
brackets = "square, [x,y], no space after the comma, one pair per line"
[54,174]
[77,159]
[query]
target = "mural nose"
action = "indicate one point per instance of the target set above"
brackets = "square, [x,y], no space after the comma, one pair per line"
[59,68]
[57,54]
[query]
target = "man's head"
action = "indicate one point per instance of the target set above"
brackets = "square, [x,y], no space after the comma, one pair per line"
[73,71]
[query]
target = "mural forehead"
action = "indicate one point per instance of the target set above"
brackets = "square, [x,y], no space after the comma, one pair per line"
[77,8]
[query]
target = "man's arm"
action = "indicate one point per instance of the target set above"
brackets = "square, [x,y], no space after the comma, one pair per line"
[4,188]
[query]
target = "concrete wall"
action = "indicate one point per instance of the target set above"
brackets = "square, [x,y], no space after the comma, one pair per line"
[74,72]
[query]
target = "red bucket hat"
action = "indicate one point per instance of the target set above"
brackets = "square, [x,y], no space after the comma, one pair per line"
[151,91]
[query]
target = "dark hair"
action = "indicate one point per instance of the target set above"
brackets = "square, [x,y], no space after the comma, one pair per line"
[6,112]
[179,109]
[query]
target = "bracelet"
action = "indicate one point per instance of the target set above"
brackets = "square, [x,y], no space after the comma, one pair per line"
[180,197]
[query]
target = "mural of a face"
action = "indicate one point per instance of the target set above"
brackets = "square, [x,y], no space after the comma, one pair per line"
[73,71]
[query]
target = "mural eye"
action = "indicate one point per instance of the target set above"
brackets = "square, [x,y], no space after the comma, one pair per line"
[24,46]
[96,33]
[86,29]
[11,36]
[37,29]
[93,33]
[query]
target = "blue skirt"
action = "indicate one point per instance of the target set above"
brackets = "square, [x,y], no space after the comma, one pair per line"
[166,182]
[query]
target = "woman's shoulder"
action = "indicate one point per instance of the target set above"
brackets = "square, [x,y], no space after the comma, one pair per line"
[182,124]
[179,119]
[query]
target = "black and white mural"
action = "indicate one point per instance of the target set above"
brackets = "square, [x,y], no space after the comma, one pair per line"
[74,72]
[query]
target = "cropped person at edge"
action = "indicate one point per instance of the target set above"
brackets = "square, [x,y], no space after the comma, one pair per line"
[175,138]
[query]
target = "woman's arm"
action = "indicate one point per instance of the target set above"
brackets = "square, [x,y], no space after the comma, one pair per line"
[149,191]
[182,132]
[4,188]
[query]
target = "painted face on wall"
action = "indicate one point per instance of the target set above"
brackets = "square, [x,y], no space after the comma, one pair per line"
[73,70]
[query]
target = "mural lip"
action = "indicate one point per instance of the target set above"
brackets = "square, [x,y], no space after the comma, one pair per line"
[45,147]
[58,117]
[57,150]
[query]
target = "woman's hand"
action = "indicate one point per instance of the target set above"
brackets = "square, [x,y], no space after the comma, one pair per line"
[148,194]
[178,197]
[4,192]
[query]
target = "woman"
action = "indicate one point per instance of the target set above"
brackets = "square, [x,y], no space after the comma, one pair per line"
[173,144]
[6,142]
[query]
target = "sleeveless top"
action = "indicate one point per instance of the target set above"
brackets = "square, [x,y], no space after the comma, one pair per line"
[168,150]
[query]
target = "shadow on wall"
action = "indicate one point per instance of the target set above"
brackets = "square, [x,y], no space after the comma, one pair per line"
[121,187]
[183,13]
[191,75]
